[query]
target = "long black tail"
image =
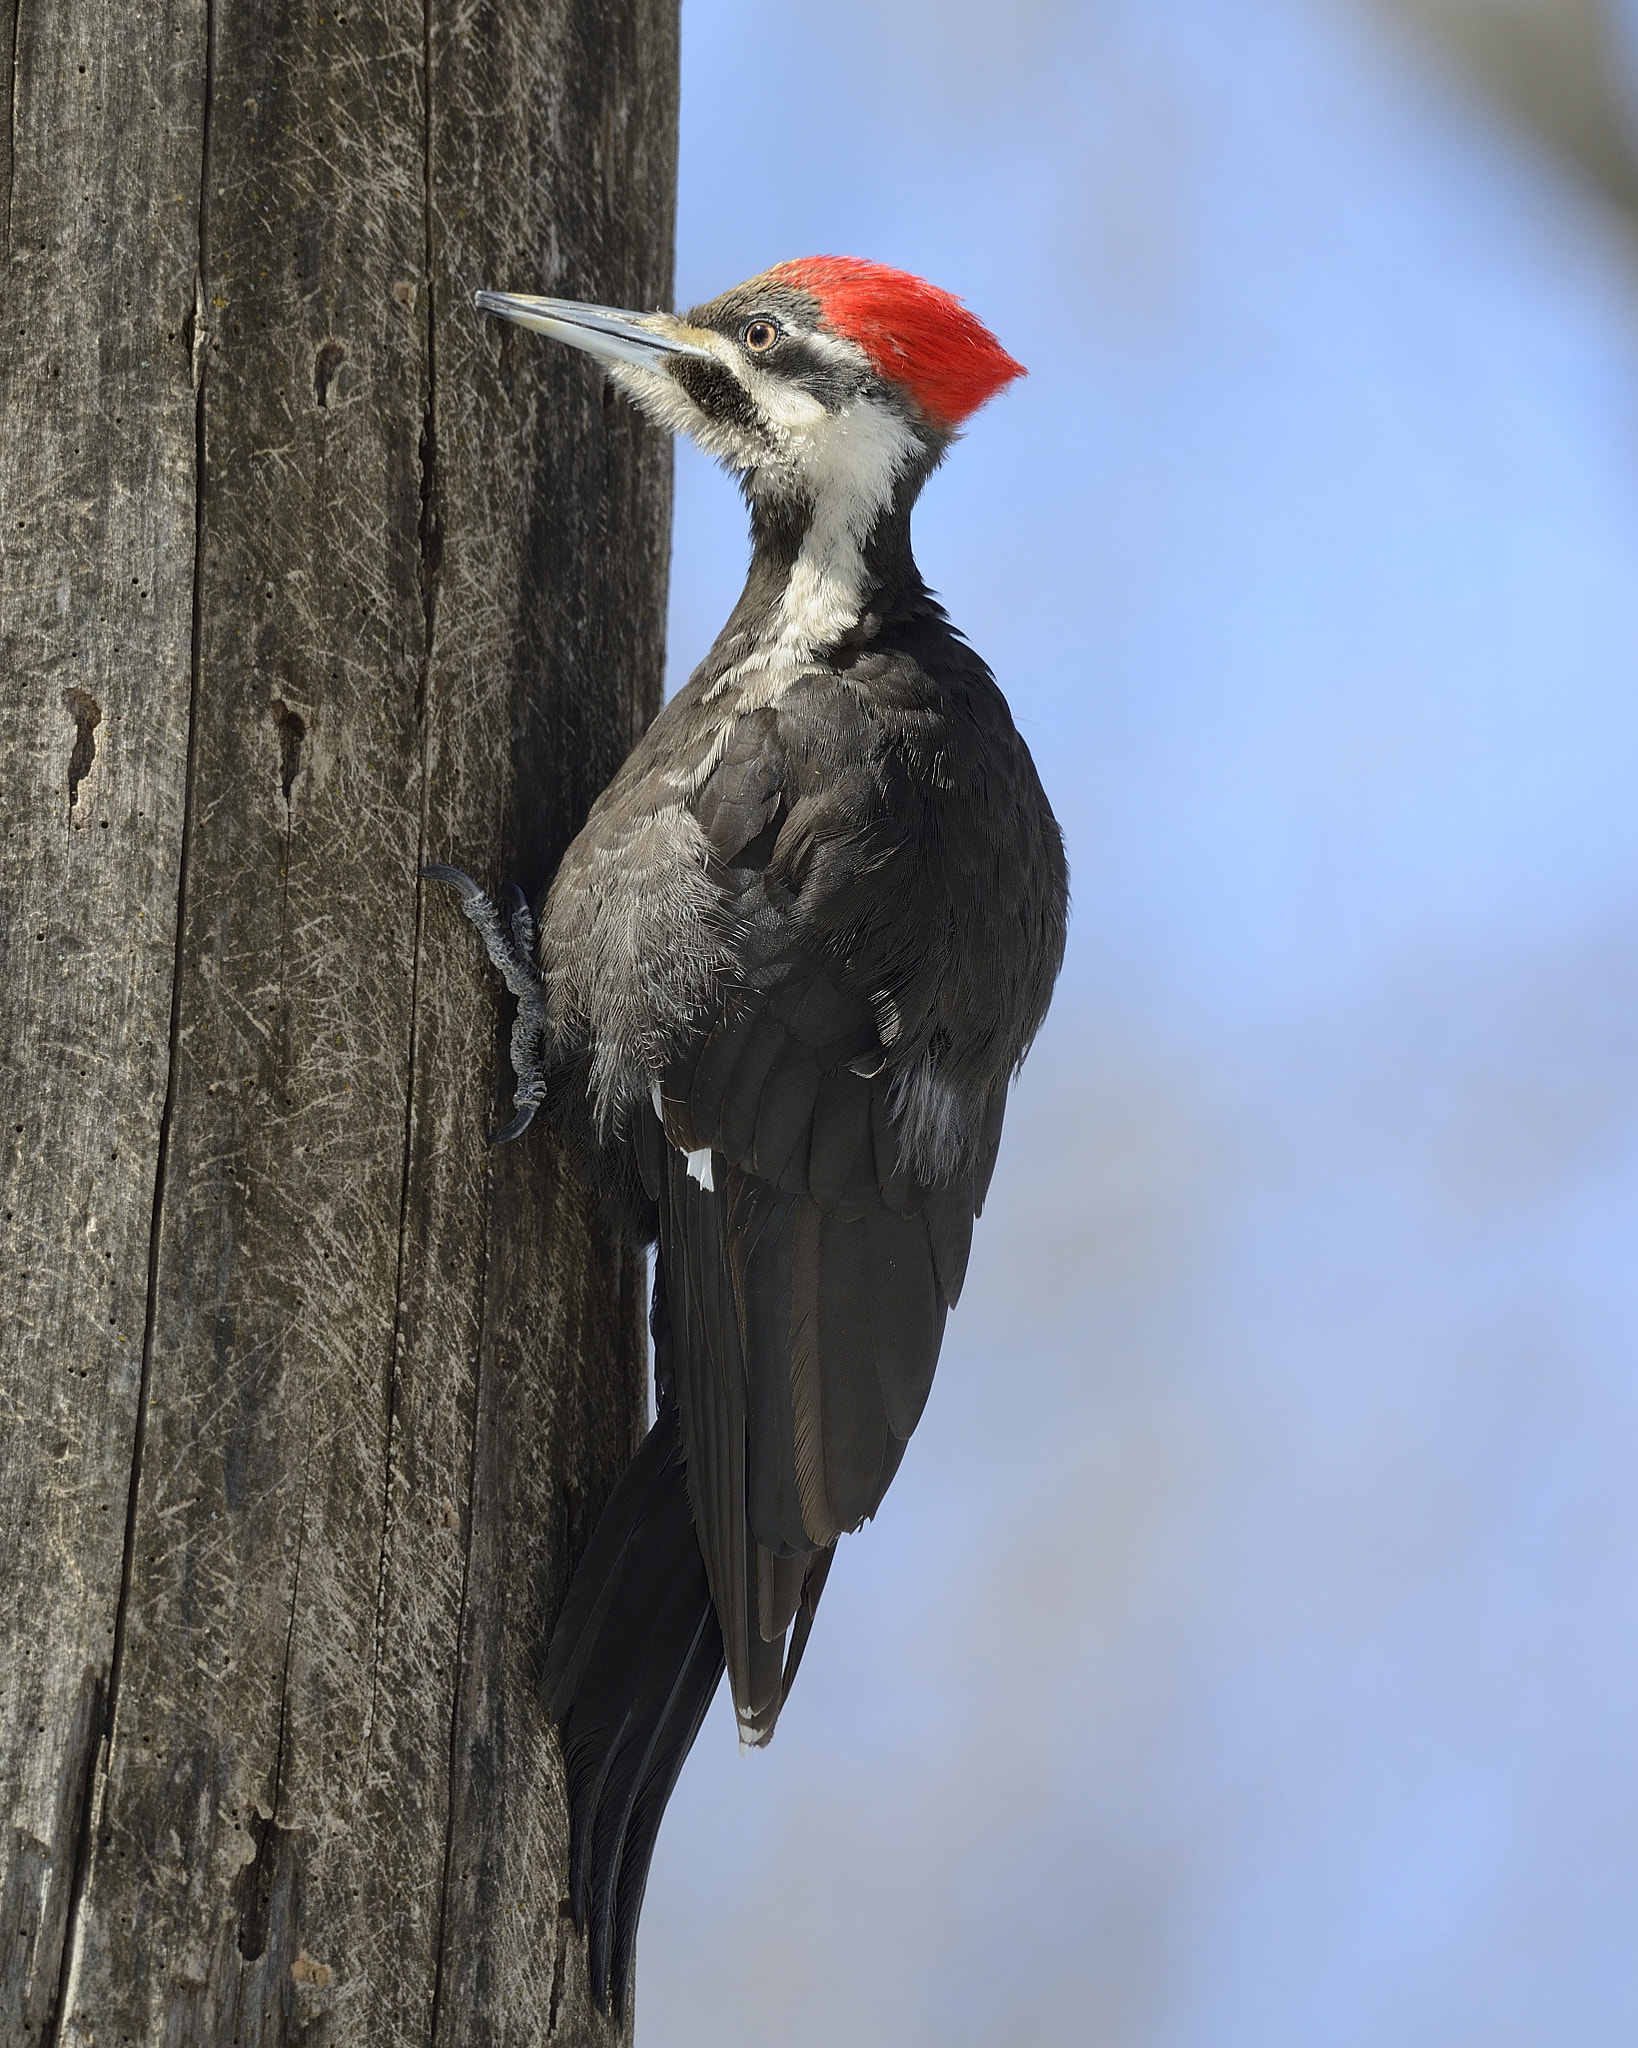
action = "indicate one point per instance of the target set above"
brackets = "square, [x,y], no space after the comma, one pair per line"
[633,1663]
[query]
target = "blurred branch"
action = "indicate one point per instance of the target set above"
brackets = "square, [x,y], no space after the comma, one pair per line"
[1563,68]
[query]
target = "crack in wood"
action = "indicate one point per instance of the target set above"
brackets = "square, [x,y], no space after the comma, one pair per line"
[89,1731]
[8,132]
[429,545]
[107,1721]
[86,713]
[292,730]
[430,533]
[430,540]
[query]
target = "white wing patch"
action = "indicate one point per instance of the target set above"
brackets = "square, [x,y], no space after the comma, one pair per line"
[699,1163]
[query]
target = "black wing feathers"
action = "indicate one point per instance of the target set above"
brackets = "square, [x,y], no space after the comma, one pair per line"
[810,1282]
[759,1234]
[906,1325]
[712,1363]
[841,1162]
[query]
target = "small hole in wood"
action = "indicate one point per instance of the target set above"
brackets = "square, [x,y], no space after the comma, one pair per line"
[328,358]
[292,730]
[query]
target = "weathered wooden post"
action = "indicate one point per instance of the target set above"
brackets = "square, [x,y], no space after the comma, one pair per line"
[307,1396]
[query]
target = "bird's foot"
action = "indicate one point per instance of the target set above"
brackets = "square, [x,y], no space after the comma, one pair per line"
[509,940]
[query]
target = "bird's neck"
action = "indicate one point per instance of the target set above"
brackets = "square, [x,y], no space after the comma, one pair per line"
[826,573]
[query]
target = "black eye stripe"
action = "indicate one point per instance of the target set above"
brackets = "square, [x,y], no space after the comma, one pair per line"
[719,394]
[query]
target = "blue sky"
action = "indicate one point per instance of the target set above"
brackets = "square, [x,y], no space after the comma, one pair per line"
[1244,1653]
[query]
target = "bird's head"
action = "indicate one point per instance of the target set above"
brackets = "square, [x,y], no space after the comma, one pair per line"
[828,376]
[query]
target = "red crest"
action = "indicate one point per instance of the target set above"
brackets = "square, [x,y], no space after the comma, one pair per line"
[915,334]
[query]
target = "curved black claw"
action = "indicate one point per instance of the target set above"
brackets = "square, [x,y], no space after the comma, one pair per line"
[510,944]
[519,1124]
[457,878]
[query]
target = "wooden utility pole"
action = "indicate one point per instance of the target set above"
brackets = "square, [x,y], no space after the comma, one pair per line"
[308,1398]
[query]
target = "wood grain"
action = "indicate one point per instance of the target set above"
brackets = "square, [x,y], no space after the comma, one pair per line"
[309,1397]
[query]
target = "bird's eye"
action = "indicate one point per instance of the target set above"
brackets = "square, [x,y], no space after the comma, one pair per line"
[760,336]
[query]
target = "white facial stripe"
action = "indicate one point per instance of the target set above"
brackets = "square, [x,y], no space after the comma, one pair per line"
[789,407]
[845,354]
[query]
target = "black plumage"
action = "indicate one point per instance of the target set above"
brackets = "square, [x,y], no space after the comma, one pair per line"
[790,966]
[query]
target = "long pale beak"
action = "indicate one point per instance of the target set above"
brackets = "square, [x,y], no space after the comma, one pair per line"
[600,330]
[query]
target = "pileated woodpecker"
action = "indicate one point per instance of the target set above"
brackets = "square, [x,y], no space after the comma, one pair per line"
[783,978]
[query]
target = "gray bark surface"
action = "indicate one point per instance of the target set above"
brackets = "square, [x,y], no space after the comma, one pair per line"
[308,1397]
